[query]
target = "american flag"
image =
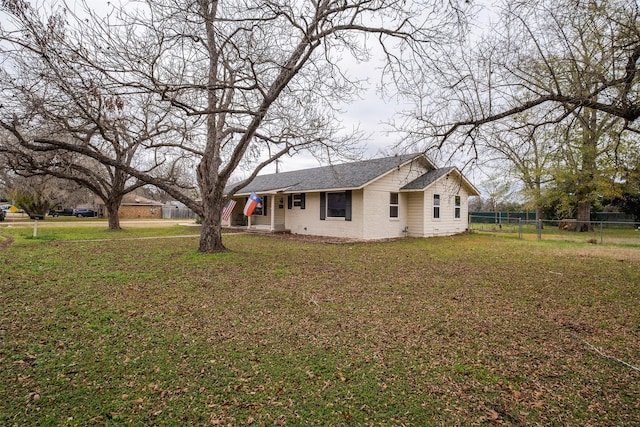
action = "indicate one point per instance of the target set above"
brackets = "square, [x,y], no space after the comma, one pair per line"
[228,208]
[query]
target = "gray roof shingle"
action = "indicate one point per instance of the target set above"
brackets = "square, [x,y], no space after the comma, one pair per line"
[427,179]
[342,176]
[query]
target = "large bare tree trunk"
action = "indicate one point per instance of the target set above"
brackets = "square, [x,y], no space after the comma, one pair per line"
[112,207]
[211,234]
[583,218]
[212,189]
[588,170]
[264,83]
[539,217]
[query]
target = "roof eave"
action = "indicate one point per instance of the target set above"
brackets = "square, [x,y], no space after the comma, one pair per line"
[297,191]
[267,192]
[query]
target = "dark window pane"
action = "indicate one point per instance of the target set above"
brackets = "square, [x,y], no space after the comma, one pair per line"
[336,205]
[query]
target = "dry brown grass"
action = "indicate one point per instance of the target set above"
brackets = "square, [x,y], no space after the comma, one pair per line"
[465,330]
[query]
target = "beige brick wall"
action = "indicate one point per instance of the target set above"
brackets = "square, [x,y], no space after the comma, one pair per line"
[139,211]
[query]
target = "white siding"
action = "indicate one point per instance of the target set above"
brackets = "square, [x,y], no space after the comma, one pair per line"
[447,188]
[369,217]
[279,211]
[415,213]
[378,224]
[307,221]
[260,220]
[370,210]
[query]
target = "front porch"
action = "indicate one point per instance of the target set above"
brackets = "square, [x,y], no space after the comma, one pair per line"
[268,217]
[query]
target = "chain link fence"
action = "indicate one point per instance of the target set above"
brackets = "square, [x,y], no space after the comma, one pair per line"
[596,232]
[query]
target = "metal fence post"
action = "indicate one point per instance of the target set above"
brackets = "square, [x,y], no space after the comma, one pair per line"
[520,228]
[539,228]
[601,235]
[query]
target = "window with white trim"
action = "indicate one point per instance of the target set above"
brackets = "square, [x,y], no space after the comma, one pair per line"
[393,205]
[436,206]
[457,208]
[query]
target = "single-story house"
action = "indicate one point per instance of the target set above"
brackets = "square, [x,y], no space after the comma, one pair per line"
[134,206]
[403,195]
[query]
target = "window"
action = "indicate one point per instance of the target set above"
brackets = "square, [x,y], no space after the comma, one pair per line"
[261,209]
[457,208]
[436,206]
[296,201]
[336,205]
[393,205]
[258,210]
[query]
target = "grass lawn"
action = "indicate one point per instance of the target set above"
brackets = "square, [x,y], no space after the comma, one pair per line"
[608,234]
[465,330]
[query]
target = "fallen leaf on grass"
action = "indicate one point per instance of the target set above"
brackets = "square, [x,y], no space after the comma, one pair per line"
[493,415]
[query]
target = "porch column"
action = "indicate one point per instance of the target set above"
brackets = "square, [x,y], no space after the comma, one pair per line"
[273,213]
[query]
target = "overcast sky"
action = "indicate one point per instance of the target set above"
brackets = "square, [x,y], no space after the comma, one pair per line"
[368,114]
[373,112]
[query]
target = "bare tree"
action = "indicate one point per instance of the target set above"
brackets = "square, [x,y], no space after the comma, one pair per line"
[97,130]
[551,58]
[569,65]
[528,154]
[35,195]
[244,75]
[109,184]
[500,190]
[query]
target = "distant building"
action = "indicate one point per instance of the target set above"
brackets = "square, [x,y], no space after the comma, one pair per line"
[136,207]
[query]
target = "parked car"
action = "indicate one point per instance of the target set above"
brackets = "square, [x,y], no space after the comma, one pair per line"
[85,213]
[61,212]
[2,214]
[36,216]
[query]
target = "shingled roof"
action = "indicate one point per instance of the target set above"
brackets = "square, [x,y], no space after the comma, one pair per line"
[432,176]
[342,176]
[427,179]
